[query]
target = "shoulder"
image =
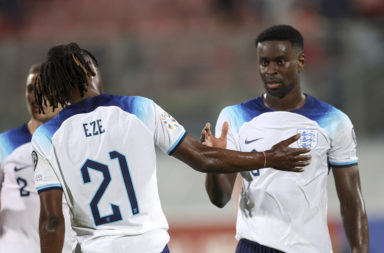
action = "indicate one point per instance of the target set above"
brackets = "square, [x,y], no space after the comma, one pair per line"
[239,114]
[45,132]
[143,108]
[13,138]
[131,104]
[329,111]
[244,111]
[328,117]
[16,136]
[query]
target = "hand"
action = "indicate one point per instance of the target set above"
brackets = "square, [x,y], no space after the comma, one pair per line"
[208,139]
[282,157]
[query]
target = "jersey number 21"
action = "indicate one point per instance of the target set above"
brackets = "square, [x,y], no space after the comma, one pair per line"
[116,214]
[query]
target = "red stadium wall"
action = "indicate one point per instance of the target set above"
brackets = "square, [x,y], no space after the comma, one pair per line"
[221,239]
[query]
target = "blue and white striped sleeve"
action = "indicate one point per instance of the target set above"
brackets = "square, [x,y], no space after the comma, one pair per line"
[168,132]
[45,177]
[227,115]
[343,147]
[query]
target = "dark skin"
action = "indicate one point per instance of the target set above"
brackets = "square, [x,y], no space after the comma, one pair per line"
[200,157]
[280,65]
[353,212]
[51,222]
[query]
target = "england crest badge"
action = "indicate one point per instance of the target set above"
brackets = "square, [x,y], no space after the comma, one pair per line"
[308,138]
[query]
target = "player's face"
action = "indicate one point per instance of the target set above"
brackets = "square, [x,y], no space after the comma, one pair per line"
[280,65]
[32,106]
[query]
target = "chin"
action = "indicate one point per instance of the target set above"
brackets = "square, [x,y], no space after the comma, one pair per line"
[276,93]
[41,118]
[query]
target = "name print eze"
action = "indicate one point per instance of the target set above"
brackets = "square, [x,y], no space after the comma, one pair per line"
[93,128]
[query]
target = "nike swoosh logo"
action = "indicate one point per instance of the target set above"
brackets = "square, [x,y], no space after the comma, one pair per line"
[250,141]
[18,169]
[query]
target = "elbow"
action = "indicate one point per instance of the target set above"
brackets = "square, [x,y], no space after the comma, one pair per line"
[219,199]
[220,203]
[218,189]
[210,165]
[51,224]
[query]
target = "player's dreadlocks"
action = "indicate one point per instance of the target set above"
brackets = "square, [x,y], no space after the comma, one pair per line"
[65,69]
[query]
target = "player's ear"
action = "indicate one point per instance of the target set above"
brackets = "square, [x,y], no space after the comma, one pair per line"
[301,60]
[92,68]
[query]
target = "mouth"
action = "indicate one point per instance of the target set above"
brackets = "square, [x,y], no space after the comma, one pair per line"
[273,84]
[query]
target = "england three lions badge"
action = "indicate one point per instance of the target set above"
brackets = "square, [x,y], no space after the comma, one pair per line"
[308,138]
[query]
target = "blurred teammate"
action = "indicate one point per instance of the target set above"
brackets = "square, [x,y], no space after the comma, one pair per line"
[20,205]
[100,152]
[282,211]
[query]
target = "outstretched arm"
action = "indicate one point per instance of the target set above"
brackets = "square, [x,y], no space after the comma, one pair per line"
[216,160]
[353,211]
[51,223]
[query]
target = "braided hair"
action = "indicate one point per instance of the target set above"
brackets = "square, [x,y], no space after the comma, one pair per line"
[65,69]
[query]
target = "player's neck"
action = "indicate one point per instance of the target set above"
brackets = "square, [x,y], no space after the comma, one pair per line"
[291,101]
[33,124]
[76,96]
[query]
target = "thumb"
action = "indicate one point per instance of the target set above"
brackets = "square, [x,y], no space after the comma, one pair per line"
[224,130]
[208,128]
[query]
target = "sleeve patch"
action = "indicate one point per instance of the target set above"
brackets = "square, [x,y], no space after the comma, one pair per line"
[169,121]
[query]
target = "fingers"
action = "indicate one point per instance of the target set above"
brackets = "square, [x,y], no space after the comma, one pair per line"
[205,132]
[299,151]
[224,130]
[302,163]
[290,140]
[208,128]
[296,169]
[203,136]
[303,158]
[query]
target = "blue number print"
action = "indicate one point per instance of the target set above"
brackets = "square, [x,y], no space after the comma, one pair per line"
[116,214]
[127,180]
[255,172]
[23,193]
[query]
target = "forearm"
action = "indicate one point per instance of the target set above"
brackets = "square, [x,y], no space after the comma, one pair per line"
[215,160]
[355,225]
[51,230]
[353,211]
[219,188]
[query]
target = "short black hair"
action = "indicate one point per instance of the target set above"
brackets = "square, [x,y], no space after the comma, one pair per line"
[282,32]
[65,68]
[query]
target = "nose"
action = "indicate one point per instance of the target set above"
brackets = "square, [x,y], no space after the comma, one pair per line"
[272,68]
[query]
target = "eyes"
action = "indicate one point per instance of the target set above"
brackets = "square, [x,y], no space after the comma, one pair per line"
[279,61]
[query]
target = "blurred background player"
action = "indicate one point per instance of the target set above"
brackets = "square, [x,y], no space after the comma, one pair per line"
[280,211]
[20,205]
[100,152]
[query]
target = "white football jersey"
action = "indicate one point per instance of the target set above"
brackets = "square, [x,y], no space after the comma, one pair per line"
[286,210]
[20,203]
[101,153]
